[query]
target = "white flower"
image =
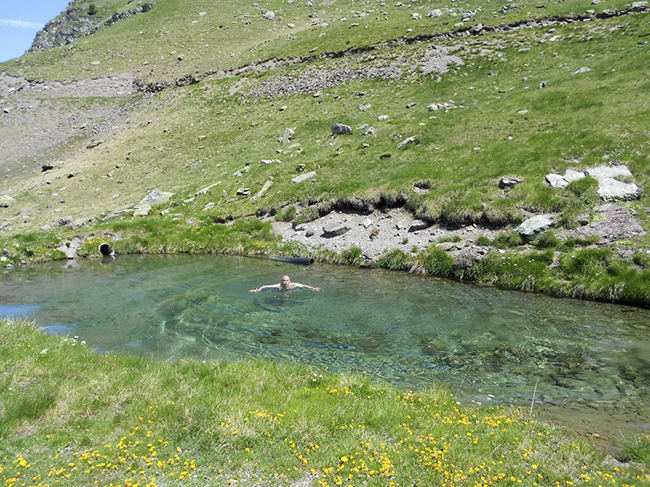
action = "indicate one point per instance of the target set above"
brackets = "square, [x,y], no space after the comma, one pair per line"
[44,351]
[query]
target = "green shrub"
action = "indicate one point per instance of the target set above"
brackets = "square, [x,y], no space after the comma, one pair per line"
[483,241]
[547,240]
[508,240]
[92,9]
[527,272]
[586,189]
[351,256]
[455,239]
[437,262]
[286,215]
[642,260]
[306,215]
[395,260]
[587,262]
[571,243]
[638,449]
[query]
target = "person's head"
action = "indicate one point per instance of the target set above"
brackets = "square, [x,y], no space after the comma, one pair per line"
[285,282]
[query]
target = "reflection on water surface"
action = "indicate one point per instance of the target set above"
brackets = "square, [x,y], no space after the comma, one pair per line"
[587,363]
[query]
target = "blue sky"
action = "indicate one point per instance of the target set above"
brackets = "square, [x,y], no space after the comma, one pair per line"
[20,20]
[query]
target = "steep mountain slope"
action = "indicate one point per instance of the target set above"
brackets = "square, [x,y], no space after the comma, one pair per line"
[458,112]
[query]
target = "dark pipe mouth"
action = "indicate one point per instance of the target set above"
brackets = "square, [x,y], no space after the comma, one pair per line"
[106,249]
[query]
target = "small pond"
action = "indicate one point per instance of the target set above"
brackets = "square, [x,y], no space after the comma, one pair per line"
[586,364]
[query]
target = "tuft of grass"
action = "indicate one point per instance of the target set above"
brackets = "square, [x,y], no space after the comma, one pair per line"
[437,262]
[508,240]
[395,260]
[483,241]
[638,449]
[286,215]
[351,256]
[547,240]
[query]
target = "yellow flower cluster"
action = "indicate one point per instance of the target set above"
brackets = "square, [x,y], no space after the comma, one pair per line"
[423,443]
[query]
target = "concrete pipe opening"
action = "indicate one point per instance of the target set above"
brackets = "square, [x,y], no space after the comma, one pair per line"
[106,249]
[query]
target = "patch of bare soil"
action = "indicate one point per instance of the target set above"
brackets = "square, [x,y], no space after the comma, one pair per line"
[39,118]
[397,228]
[378,232]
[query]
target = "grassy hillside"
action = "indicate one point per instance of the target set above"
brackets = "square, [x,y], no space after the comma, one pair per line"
[514,95]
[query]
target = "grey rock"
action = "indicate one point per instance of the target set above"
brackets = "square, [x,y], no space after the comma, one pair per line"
[447,246]
[286,137]
[364,107]
[157,197]
[508,182]
[268,14]
[335,229]
[613,223]
[340,129]
[418,225]
[303,177]
[570,175]
[66,220]
[408,140]
[267,185]
[601,173]
[612,190]
[584,69]
[466,258]
[142,209]
[637,5]
[556,181]
[533,227]
[367,223]
[434,107]
[70,248]
[243,192]
[369,131]
[270,161]
[435,14]
[81,222]
[6,201]
[206,189]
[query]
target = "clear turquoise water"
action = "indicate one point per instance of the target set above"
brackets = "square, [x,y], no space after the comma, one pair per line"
[587,364]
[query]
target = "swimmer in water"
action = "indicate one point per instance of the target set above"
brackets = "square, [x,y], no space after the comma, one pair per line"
[284,285]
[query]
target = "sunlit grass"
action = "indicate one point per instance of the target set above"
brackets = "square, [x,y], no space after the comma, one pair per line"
[73,417]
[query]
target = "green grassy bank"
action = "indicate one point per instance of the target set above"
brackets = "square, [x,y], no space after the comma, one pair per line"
[567,268]
[73,417]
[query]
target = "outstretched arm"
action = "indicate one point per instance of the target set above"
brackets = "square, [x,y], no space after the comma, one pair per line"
[297,284]
[268,286]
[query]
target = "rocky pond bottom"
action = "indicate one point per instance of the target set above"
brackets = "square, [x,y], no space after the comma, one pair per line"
[583,365]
